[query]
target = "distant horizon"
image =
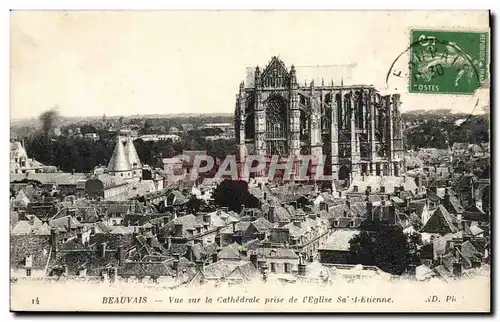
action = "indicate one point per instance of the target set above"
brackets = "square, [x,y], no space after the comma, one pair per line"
[217,114]
[132,115]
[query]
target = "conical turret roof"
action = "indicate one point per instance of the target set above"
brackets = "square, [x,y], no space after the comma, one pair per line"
[119,160]
[132,154]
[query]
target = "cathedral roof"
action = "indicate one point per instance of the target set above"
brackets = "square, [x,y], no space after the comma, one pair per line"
[119,160]
[132,154]
[319,74]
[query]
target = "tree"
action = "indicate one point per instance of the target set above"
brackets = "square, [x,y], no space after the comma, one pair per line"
[88,128]
[233,194]
[195,205]
[385,246]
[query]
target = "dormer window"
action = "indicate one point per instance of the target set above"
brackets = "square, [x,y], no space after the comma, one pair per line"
[382,189]
[351,224]
[336,223]
[355,189]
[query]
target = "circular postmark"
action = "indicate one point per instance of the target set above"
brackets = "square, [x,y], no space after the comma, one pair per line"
[441,62]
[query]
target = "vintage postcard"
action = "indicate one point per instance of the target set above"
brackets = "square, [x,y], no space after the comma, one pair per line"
[250,161]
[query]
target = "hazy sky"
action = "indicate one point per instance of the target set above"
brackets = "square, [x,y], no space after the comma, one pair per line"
[124,62]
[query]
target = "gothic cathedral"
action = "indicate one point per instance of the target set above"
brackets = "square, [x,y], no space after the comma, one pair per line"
[354,126]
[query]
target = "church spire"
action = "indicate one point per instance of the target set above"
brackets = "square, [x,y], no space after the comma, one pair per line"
[131,152]
[119,161]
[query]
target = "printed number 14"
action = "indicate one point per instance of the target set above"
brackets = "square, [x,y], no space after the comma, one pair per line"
[35,301]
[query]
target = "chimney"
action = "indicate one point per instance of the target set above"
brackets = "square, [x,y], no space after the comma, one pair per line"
[217,240]
[234,226]
[219,212]
[149,241]
[348,201]
[301,266]
[69,224]
[79,236]
[65,269]
[102,250]
[169,243]
[214,257]
[120,255]
[447,198]
[271,213]
[53,239]
[265,195]
[253,260]
[32,220]
[165,220]
[189,252]
[176,265]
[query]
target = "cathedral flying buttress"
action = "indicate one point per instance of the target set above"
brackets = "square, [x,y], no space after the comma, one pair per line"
[354,126]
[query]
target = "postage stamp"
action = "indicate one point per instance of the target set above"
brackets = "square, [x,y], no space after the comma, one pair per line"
[448,62]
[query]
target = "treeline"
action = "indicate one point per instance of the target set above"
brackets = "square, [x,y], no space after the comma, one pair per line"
[82,155]
[441,132]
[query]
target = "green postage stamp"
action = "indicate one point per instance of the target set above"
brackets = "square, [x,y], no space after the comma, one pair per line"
[448,62]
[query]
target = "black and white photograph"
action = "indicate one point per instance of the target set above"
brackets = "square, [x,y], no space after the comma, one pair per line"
[250,161]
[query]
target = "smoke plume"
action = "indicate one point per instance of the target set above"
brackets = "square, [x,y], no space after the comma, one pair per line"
[49,121]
